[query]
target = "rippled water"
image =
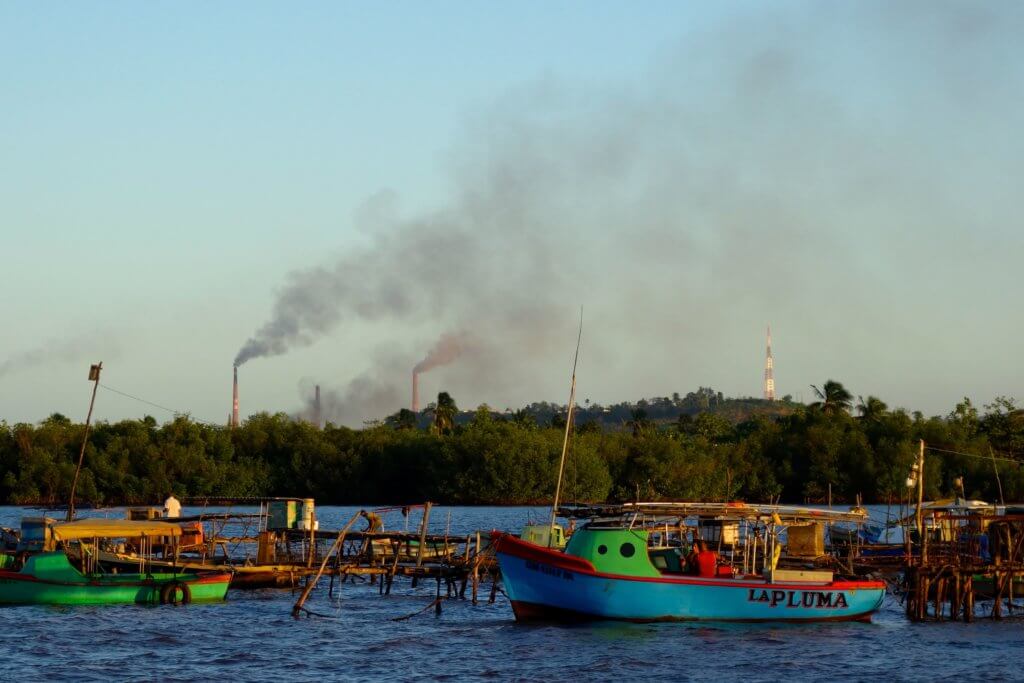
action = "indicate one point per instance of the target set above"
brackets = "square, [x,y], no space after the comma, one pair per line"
[252,636]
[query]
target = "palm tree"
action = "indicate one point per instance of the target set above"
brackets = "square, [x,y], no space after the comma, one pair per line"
[872,409]
[444,413]
[834,398]
[639,423]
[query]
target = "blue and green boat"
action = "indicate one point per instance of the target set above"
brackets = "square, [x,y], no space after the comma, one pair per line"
[611,569]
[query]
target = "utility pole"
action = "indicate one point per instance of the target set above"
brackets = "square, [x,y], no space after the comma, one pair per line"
[94,377]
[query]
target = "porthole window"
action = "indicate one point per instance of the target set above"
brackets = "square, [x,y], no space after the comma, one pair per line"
[602,549]
[627,549]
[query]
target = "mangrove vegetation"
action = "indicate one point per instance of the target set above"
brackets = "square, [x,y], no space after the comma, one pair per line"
[701,446]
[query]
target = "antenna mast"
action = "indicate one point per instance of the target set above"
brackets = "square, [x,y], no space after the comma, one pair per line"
[769,375]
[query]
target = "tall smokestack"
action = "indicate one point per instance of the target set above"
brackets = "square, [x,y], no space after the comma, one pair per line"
[415,391]
[234,396]
[316,407]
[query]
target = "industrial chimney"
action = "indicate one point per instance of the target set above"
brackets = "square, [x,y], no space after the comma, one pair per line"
[415,391]
[316,408]
[234,405]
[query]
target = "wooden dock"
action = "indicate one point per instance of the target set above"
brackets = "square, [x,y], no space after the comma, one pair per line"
[969,566]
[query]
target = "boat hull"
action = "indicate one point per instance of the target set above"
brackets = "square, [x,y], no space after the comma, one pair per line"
[547,585]
[49,579]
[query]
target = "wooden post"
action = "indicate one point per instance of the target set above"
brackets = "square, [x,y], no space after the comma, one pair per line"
[476,567]
[922,603]
[94,377]
[437,599]
[997,585]
[312,540]
[423,533]
[969,594]
[465,561]
[956,599]
[396,547]
[920,503]
[336,547]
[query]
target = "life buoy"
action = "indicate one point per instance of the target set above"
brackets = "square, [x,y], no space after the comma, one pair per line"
[169,593]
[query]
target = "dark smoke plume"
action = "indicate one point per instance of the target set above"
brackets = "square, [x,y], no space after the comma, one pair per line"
[788,164]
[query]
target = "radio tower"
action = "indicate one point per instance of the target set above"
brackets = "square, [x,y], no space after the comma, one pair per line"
[769,376]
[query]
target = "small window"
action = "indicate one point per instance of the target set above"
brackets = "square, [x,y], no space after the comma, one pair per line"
[602,549]
[627,549]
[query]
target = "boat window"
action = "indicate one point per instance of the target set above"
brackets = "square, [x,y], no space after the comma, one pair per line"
[627,549]
[602,549]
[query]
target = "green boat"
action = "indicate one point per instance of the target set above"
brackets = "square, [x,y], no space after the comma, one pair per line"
[67,570]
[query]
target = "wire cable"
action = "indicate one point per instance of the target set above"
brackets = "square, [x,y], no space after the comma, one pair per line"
[975,455]
[157,405]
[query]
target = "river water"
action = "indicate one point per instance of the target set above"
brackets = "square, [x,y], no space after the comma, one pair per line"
[253,637]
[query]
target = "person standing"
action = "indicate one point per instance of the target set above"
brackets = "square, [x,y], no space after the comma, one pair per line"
[172,508]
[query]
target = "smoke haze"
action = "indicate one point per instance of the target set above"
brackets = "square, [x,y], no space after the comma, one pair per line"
[693,206]
[90,348]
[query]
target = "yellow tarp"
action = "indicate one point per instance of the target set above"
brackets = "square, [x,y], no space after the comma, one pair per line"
[112,528]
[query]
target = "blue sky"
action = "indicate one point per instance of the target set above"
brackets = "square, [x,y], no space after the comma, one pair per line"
[688,172]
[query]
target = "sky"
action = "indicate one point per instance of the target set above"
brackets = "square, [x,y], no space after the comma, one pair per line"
[326,193]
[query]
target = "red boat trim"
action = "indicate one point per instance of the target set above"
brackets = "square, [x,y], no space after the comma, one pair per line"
[532,611]
[517,547]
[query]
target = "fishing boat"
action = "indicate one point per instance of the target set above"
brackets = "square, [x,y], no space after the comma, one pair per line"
[68,571]
[629,563]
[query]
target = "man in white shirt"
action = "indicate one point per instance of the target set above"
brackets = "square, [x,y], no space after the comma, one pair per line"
[172,508]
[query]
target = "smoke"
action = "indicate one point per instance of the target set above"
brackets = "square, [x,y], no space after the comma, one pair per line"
[364,399]
[67,350]
[448,348]
[788,165]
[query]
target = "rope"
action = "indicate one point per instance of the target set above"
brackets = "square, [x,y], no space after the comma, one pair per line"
[433,603]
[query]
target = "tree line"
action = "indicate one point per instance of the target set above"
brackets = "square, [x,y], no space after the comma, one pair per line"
[727,449]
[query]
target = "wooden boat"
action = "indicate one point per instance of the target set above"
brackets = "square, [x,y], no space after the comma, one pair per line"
[409,549]
[51,577]
[242,575]
[608,571]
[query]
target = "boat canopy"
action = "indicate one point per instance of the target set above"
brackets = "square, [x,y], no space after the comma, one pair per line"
[111,528]
[787,514]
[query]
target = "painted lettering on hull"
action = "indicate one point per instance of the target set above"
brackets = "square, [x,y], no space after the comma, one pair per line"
[804,599]
[549,570]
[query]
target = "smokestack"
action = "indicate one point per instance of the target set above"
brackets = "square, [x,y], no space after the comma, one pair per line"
[234,405]
[316,407]
[415,391]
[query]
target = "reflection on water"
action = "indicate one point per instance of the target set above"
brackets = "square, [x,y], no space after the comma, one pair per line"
[253,637]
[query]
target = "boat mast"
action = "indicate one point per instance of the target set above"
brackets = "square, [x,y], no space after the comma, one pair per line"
[565,441]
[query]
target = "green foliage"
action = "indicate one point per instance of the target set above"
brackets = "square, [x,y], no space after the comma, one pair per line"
[725,449]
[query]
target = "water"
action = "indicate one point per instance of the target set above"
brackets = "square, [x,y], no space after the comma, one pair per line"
[253,637]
